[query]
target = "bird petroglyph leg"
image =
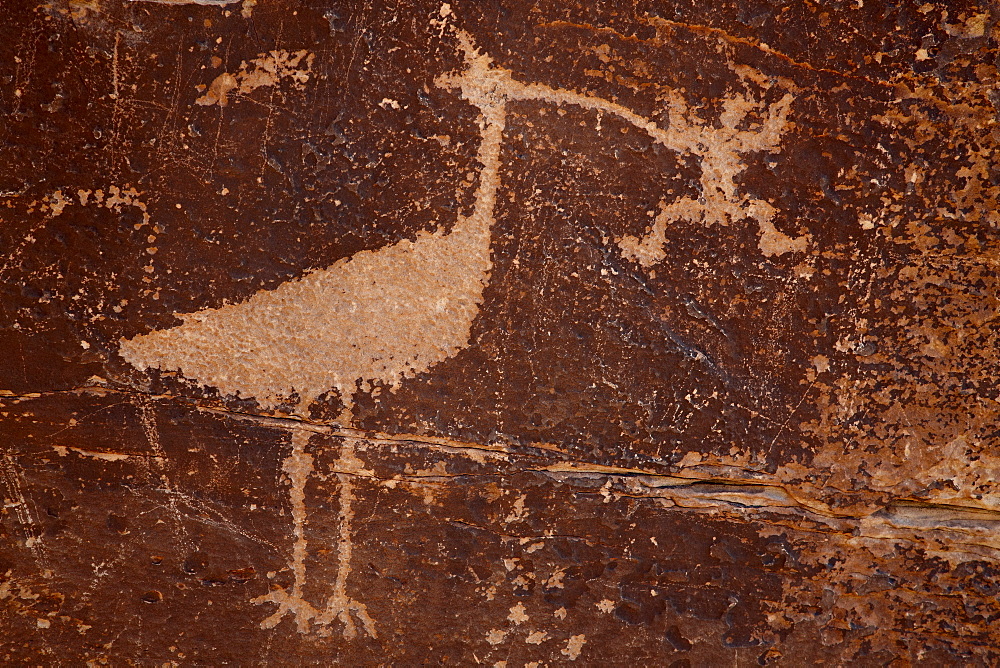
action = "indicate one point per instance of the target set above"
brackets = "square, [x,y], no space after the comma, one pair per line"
[339,605]
[298,466]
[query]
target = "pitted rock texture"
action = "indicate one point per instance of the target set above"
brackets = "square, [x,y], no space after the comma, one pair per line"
[513,333]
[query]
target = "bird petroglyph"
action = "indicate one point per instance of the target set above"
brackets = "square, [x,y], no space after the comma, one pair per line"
[384,315]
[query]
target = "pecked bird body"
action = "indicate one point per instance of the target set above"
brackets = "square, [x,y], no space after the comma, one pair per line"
[376,316]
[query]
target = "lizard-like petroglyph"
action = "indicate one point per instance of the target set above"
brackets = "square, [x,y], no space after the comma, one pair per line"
[384,315]
[718,150]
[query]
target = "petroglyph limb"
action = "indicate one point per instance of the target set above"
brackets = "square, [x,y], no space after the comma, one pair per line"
[298,466]
[339,606]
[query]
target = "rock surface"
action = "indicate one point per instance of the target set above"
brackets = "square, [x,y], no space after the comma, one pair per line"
[512,333]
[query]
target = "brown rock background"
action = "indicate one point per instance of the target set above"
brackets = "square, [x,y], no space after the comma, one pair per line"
[727,457]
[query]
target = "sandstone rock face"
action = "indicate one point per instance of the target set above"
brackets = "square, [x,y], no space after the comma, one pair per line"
[508,334]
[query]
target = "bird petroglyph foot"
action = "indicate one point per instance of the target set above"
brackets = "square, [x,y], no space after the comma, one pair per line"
[339,607]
